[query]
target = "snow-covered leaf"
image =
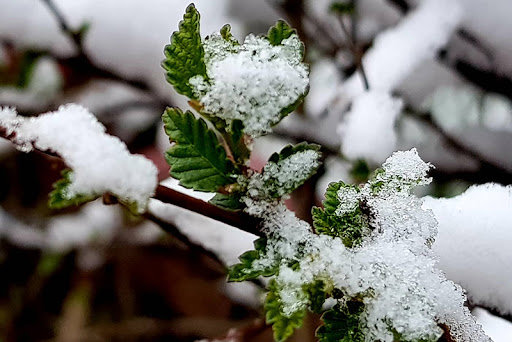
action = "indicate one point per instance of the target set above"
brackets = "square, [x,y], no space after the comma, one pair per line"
[290,168]
[282,325]
[58,198]
[342,215]
[248,267]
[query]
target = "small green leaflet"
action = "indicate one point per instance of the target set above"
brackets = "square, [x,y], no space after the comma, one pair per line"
[235,141]
[341,8]
[316,294]
[184,57]
[231,202]
[196,158]
[58,198]
[290,168]
[342,323]
[283,326]
[225,33]
[348,227]
[245,270]
[279,32]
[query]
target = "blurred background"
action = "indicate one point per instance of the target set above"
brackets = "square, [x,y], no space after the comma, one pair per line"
[96,273]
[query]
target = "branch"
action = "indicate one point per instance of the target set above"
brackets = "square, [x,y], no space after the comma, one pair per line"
[175,232]
[236,219]
[502,174]
[84,65]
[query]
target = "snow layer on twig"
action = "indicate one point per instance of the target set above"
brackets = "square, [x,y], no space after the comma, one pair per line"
[101,163]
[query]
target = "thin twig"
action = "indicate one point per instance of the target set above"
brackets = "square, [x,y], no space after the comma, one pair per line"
[64,26]
[83,65]
[355,50]
[176,233]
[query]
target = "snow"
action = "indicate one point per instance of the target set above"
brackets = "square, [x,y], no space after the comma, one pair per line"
[234,70]
[126,36]
[397,51]
[101,163]
[367,131]
[324,78]
[497,328]
[474,242]
[394,261]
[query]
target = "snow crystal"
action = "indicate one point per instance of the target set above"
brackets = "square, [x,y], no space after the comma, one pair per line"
[368,131]
[101,163]
[474,242]
[349,200]
[408,166]
[252,82]
[394,263]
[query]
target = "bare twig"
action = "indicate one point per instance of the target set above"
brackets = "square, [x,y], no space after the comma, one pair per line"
[351,38]
[237,219]
[84,66]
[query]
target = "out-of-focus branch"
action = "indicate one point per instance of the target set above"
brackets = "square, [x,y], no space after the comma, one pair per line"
[351,36]
[83,66]
[74,35]
[500,173]
[176,233]
[487,80]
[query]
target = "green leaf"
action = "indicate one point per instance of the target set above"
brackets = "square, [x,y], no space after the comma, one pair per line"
[58,198]
[235,140]
[290,168]
[341,8]
[360,171]
[289,109]
[184,57]
[196,159]
[279,32]
[225,33]
[316,294]
[26,68]
[348,226]
[230,202]
[245,270]
[342,323]
[282,325]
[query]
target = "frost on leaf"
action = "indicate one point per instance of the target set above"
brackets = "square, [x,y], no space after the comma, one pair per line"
[285,171]
[384,279]
[100,163]
[229,92]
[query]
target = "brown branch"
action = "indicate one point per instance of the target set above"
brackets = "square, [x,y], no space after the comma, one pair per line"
[236,219]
